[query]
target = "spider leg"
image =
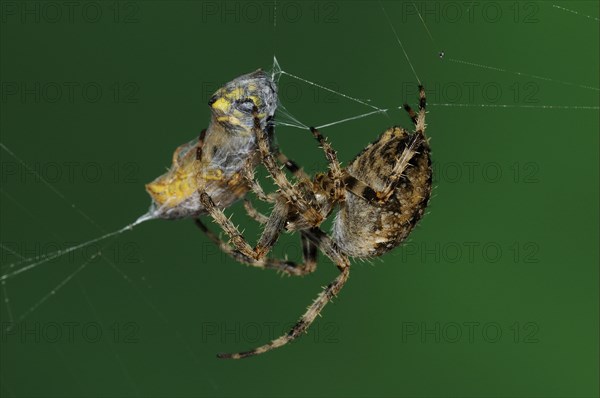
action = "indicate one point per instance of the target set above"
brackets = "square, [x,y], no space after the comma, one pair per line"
[275,223]
[288,267]
[418,119]
[309,249]
[304,180]
[417,139]
[272,228]
[330,291]
[269,236]
[401,164]
[309,252]
[379,198]
[422,110]
[292,167]
[344,181]
[335,168]
[237,239]
[411,113]
[363,189]
[217,214]
[254,214]
[289,191]
[248,175]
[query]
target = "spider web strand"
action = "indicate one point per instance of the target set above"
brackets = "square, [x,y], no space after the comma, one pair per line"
[330,90]
[460,61]
[52,188]
[351,118]
[515,106]
[399,41]
[53,291]
[39,260]
[575,12]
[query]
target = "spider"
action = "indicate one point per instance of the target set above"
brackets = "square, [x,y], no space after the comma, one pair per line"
[379,197]
[214,163]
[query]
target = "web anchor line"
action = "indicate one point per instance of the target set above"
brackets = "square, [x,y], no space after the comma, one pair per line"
[7,302]
[514,106]
[575,12]
[277,72]
[399,42]
[460,61]
[328,89]
[37,261]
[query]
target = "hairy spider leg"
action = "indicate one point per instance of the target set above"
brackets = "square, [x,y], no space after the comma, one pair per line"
[418,138]
[278,217]
[362,189]
[288,267]
[335,169]
[330,249]
[289,191]
[321,239]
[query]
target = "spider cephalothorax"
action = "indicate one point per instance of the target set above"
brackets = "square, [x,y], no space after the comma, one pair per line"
[379,197]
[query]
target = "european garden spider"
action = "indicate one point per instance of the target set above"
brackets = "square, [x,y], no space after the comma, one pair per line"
[380,196]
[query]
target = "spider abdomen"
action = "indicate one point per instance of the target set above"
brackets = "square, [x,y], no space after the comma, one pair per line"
[367,229]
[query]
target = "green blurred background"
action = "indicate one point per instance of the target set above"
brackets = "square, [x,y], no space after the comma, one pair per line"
[495,294]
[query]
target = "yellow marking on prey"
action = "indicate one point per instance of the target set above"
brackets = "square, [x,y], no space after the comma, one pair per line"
[255,99]
[235,180]
[234,121]
[213,174]
[235,93]
[175,186]
[222,104]
[181,182]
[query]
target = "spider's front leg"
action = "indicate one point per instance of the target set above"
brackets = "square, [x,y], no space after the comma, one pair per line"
[335,169]
[418,140]
[309,249]
[272,227]
[254,214]
[289,267]
[380,198]
[237,239]
[248,175]
[328,247]
[418,119]
[290,192]
[256,188]
[401,164]
[218,216]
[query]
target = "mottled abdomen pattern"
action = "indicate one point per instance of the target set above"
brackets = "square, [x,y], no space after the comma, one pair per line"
[365,229]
